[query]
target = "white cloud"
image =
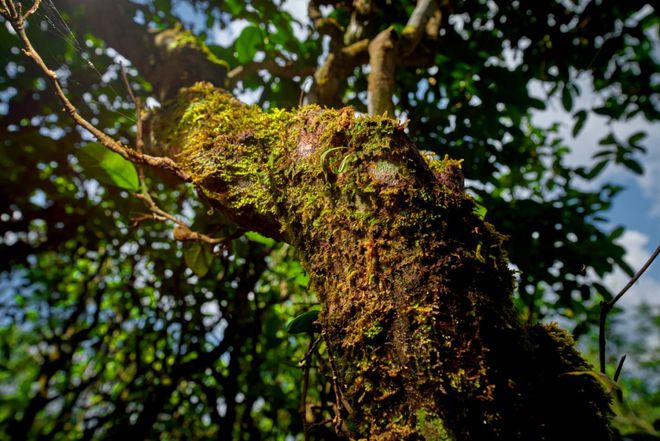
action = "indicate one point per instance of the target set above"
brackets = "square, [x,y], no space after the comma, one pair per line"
[298,10]
[227,35]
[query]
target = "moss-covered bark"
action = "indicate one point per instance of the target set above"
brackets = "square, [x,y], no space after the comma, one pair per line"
[415,287]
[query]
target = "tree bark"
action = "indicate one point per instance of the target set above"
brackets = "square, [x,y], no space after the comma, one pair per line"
[415,287]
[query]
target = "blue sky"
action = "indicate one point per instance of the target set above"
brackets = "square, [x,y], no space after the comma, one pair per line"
[637,208]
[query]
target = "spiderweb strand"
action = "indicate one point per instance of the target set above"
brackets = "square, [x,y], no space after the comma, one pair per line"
[17,22]
[51,14]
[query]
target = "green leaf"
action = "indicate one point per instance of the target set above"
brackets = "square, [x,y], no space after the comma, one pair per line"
[603,153]
[198,256]
[236,7]
[596,170]
[633,165]
[580,119]
[247,43]
[163,5]
[258,238]
[603,290]
[608,140]
[617,232]
[567,99]
[635,138]
[480,210]
[536,103]
[305,322]
[108,167]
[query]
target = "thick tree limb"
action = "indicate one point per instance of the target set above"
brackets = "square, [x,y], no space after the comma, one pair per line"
[385,51]
[414,286]
[422,14]
[382,60]
[329,77]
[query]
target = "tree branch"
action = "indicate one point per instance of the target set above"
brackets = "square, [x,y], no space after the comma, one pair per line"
[337,66]
[606,307]
[424,11]
[382,59]
[385,50]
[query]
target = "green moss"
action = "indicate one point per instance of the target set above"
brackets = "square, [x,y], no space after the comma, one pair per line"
[178,38]
[373,331]
[408,31]
[431,427]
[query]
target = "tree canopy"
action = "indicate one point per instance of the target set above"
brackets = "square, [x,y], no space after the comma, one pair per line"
[118,322]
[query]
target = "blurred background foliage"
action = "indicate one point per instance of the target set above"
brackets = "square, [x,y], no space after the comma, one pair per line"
[110,329]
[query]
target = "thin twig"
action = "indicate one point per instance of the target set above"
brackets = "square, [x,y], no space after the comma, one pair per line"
[637,276]
[139,141]
[181,231]
[335,386]
[606,307]
[32,10]
[618,368]
[304,363]
[312,346]
[17,22]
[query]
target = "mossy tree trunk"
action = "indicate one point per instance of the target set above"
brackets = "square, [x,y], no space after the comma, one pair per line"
[416,291]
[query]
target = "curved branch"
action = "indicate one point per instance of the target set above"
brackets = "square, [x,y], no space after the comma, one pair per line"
[421,15]
[385,50]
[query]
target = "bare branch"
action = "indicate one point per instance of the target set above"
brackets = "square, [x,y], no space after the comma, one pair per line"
[636,277]
[32,10]
[182,231]
[139,137]
[385,52]
[606,307]
[325,25]
[424,11]
[617,374]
